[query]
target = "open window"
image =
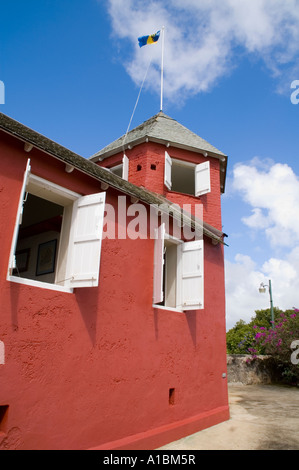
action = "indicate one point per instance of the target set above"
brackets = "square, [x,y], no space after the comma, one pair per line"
[122,169]
[57,236]
[185,177]
[178,272]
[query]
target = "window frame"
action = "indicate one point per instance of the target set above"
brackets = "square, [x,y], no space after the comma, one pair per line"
[123,166]
[202,175]
[119,166]
[160,271]
[52,192]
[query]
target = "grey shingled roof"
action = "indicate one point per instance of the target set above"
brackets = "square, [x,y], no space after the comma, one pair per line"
[33,138]
[165,130]
[160,128]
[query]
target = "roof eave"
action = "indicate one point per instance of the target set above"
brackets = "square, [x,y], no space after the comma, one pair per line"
[29,136]
[147,138]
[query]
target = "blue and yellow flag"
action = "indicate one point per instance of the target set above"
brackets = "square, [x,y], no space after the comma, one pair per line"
[144,40]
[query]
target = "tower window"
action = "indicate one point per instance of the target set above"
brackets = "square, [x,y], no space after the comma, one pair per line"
[183,178]
[186,177]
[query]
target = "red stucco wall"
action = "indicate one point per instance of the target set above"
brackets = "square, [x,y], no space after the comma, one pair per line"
[147,154]
[93,369]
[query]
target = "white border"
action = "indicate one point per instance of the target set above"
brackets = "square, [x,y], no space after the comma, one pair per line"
[43,285]
[173,309]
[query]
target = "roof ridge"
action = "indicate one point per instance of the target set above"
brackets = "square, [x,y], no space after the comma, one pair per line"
[159,128]
[136,129]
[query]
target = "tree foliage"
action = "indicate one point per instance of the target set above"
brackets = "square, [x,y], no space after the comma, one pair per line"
[240,337]
[279,339]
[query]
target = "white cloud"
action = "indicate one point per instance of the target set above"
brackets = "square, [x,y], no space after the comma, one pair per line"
[257,219]
[272,190]
[273,193]
[202,38]
[203,42]
[243,278]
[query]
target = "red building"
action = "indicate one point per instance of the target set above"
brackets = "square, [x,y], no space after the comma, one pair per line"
[112,328]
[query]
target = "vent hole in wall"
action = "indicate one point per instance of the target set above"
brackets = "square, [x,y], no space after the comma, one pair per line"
[3,416]
[139,167]
[153,166]
[171,396]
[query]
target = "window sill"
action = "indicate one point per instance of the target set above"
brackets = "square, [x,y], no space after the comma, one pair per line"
[42,285]
[172,191]
[171,309]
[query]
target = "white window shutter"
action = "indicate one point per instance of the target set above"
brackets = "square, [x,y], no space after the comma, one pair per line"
[19,217]
[202,179]
[167,171]
[158,264]
[23,190]
[84,250]
[190,275]
[125,170]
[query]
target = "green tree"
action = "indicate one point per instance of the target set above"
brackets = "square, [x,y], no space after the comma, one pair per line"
[277,340]
[263,317]
[239,338]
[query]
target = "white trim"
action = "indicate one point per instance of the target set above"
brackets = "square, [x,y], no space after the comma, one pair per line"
[40,184]
[125,168]
[173,239]
[85,239]
[167,171]
[179,276]
[198,274]
[183,162]
[202,179]
[172,309]
[115,167]
[11,262]
[44,285]
[158,293]
[162,69]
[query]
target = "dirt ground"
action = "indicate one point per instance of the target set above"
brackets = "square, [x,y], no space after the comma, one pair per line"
[262,417]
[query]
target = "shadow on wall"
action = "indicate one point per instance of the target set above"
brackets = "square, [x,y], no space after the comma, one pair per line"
[191,321]
[14,302]
[87,301]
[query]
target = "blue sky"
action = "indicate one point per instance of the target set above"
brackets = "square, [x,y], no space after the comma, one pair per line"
[72,71]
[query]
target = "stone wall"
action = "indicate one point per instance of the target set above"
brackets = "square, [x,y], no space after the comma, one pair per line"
[242,369]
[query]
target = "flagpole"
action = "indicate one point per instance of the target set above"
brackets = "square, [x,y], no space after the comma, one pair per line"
[162,70]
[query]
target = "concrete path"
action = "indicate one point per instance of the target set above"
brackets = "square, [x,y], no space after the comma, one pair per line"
[263,417]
